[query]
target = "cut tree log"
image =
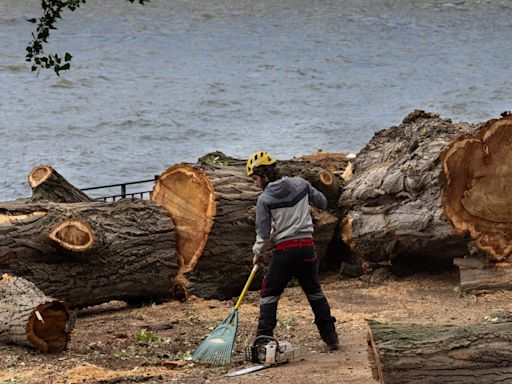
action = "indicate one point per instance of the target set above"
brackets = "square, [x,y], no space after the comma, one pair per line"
[91,252]
[480,275]
[478,194]
[392,206]
[421,354]
[49,185]
[30,318]
[326,171]
[213,208]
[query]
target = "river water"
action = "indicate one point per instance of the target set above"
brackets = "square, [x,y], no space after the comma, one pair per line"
[170,81]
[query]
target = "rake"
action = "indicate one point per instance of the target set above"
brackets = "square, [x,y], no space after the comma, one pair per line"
[217,348]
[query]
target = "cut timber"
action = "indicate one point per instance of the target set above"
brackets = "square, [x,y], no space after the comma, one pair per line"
[213,208]
[324,181]
[326,171]
[91,252]
[421,354]
[392,206]
[478,195]
[47,184]
[481,275]
[29,318]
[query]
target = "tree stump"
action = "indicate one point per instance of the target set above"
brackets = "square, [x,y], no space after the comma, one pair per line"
[91,252]
[29,318]
[392,206]
[421,354]
[213,208]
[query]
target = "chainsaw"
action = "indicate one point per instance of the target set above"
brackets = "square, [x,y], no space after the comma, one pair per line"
[266,352]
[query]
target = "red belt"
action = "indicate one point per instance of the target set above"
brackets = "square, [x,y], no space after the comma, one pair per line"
[296,243]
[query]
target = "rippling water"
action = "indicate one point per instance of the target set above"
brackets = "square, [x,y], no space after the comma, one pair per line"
[168,82]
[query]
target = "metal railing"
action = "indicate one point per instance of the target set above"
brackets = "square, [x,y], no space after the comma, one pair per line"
[123,190]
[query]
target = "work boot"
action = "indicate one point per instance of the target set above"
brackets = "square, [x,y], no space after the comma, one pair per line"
[325,323]
[332,341]
[267,320]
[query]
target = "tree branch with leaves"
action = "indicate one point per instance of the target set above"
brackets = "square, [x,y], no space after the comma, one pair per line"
[52,11]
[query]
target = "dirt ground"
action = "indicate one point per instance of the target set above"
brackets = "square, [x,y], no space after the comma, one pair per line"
[114,343]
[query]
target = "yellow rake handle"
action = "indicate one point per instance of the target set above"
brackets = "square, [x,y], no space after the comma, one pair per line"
[246,287]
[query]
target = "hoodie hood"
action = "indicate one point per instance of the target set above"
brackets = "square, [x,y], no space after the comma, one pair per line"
[280,188]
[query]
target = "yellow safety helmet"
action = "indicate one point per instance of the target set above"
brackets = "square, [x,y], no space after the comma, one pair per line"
[257,159]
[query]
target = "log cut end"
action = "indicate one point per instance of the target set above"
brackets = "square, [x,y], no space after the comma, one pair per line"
[189,198]
[73,234]
[324,181]
[326,178]
[39,175]
[478,171]
[47,327]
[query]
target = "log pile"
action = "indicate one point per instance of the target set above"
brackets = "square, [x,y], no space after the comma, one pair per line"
[30,318]
[212,204]
[412,353]
[87,252]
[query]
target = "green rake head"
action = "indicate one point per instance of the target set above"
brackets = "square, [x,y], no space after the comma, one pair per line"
[217,348]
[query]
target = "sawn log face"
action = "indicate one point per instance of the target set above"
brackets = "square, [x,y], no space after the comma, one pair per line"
[30,318]
[478,195]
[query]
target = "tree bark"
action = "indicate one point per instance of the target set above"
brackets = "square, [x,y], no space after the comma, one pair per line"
[91,252]
[49,185]
[213,207]
[392,207]
[411,353]
[29,318]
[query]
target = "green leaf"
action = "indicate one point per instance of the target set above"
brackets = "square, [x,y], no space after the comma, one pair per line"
[67,56]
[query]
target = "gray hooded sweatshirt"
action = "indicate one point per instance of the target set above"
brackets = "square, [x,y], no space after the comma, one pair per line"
[282,212]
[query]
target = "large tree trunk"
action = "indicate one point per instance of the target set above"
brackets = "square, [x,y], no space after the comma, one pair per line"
[392,206]
[421,354]
[213,208]
[29,318]
[91,252]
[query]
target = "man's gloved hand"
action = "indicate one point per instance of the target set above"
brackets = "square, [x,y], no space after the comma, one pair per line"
[258,259]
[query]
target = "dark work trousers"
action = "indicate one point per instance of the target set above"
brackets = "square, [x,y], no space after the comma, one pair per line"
[302,263]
